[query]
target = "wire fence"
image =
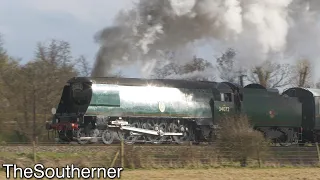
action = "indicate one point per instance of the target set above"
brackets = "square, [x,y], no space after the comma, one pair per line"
[159,156]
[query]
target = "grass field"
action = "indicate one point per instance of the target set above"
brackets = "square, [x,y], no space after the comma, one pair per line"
[142,160]
[222,174]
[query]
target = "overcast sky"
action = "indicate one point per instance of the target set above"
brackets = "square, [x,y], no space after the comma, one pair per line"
[24,23]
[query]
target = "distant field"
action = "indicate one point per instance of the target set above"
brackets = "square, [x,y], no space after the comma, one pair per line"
[222,174]
[225,174]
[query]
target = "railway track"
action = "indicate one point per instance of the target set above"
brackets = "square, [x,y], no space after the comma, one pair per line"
[79,148]
[97,144]
[92,145]
[136,144]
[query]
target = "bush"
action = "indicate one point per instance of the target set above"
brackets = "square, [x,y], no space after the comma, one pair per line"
[238,141]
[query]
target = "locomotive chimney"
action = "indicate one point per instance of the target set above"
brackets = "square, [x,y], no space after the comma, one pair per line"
[241,79]
[241,74]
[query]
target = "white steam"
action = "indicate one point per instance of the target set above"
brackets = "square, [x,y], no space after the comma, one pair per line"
[205,75]
[255,28]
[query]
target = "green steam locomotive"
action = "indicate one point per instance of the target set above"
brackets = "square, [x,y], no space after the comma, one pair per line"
[167,110]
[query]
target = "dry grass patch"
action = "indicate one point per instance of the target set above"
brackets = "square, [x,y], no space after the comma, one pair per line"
[221,174]
[225,174]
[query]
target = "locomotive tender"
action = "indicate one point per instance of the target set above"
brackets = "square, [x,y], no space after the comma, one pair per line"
[167,110]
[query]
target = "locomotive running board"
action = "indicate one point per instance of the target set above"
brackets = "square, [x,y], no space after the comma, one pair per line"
[151,132]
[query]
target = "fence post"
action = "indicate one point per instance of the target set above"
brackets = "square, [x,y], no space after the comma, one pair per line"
[318,151]
[258,158]
[258,154]
[122,153]
[34,152]
[114,159]
[191,155]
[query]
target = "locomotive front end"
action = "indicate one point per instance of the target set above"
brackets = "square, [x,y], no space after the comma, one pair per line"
[56,124]
[68,116]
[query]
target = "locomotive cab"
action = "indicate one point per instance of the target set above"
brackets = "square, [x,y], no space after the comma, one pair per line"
[235,94]
[227,99]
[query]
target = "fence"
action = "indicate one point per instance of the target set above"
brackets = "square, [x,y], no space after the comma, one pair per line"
[157,156]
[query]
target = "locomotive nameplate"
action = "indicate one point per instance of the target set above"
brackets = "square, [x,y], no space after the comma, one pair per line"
[162,106]
[224,108]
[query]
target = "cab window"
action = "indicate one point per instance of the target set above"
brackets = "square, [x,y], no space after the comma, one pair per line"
[226,97]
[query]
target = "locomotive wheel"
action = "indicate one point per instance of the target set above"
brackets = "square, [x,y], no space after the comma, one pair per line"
[156,139]
[185,138]
[285,140]
[107,136]
[84,132]
[65,135]
[81,133]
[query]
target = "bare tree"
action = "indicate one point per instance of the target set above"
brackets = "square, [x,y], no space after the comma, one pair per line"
[301,75]
[226,66]
[57,52]
[167,70]
[8,85]
[84,66]
[2,50]
[37,85]
[196,69]
[270,74]
[54,61]
[28,92]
